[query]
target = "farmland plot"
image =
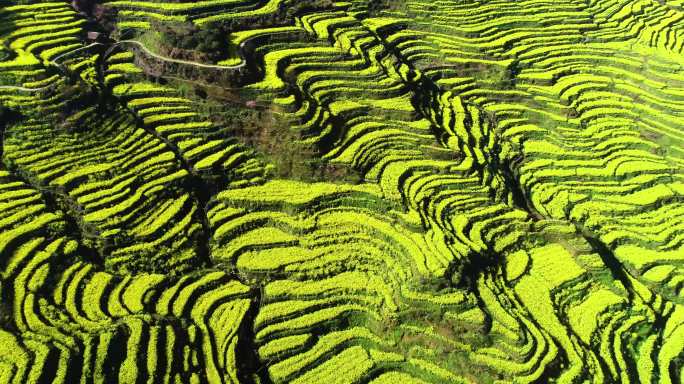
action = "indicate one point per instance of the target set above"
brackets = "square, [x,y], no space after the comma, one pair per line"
[276,191]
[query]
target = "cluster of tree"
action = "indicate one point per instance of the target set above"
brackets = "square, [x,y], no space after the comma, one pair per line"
[256,125]
[210,42]
[103,15]
[85,6]
[188,41]
[272,137]
[376,6]
[290,9]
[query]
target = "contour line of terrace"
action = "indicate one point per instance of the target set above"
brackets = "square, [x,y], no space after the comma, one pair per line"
[123,42]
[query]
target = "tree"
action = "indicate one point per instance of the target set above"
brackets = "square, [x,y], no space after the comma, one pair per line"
[190,41]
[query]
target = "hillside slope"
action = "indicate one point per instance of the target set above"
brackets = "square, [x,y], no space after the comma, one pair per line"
[276,191]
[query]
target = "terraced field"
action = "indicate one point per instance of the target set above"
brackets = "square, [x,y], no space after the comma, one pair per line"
[414,191]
